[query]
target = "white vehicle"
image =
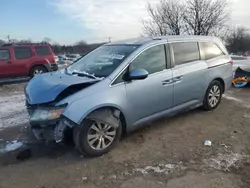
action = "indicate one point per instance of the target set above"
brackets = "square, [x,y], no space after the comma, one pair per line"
[242,62]
[56,58]
[73,57]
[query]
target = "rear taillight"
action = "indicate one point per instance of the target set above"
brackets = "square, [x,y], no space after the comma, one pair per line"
[53,59]
[231,62]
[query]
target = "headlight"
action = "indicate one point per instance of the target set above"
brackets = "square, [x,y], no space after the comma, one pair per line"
[47,114]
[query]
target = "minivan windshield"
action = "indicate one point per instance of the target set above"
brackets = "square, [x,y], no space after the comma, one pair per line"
[102,61]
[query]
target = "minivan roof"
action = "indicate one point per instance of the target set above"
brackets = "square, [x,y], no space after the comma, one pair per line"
[169,38]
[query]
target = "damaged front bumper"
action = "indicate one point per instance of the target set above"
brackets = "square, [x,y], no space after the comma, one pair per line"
[51,131]
[47,123]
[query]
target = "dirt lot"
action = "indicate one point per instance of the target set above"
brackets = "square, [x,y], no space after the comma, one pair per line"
[168,153]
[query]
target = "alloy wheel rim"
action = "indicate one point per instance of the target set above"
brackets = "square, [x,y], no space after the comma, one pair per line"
[38,71]
[214,96]
[100,135]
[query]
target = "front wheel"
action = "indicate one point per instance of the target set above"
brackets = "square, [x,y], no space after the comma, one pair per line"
[213,95]
[95,138]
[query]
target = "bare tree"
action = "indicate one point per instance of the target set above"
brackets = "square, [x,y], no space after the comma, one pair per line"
[25,41]
[2,42]
[154,26]
[13,41]
[172,12]
[195,17]
[204,17]
[165,19]
[47,40]
[238,40]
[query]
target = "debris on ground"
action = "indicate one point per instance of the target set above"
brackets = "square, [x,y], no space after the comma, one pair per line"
[207,143]
[11,146]
[225,162]
[239,73]
[161,168]
[224,145]
[84,178]
[240,82]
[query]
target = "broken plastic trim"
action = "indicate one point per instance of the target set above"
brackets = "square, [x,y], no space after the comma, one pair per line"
[59,131]
[107,116]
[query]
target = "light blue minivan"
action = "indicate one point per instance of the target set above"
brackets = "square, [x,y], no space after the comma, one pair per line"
[121,86]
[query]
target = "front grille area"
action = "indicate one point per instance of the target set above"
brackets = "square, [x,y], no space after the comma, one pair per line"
[30,108]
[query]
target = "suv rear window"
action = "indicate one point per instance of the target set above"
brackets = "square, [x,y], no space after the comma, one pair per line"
[22,52]
[210,50]
[42,50]
[185,52]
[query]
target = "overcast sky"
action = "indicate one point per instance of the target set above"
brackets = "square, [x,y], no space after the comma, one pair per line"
[121,18]
[241,12]
[67,21]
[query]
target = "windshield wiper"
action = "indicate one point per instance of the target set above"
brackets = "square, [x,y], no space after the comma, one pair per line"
[85,74]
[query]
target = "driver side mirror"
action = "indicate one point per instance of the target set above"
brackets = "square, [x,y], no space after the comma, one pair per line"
[138,74]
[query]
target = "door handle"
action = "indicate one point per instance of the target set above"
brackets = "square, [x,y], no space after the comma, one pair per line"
[166,82]
[178,78]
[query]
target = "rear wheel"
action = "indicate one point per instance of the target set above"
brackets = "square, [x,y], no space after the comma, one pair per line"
[37,70]
[213,95]
[95,138]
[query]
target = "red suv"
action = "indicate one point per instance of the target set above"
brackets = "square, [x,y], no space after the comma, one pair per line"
[26,60]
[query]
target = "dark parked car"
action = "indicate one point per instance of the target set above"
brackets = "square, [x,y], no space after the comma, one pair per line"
[26,60]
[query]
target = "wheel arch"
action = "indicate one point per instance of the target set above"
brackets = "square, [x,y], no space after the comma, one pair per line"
[78,118]
[222,83]
[112,109]
[37,65]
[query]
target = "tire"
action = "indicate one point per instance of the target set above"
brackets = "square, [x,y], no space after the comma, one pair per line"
[213,95]
[37,70]
[85,131]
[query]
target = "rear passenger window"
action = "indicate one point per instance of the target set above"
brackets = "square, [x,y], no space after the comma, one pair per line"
[42,50]
[185,52]
[4,54]
[210,50]
[152,60]
[22,52]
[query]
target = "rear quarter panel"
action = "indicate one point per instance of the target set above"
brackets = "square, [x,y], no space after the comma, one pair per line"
[220,68]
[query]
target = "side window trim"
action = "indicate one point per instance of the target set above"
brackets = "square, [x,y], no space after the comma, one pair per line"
[167,56]
[171,55]
[8,53]
[202,54]
[166,47]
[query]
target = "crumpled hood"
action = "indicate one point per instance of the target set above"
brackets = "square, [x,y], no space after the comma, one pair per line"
[46,87]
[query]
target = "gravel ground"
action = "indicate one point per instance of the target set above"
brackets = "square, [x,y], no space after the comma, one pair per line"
[168,153]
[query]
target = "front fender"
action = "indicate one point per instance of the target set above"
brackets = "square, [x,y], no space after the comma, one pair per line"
[81,108]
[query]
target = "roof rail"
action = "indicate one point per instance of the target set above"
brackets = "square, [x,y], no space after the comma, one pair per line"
[156,38]
[16,44]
